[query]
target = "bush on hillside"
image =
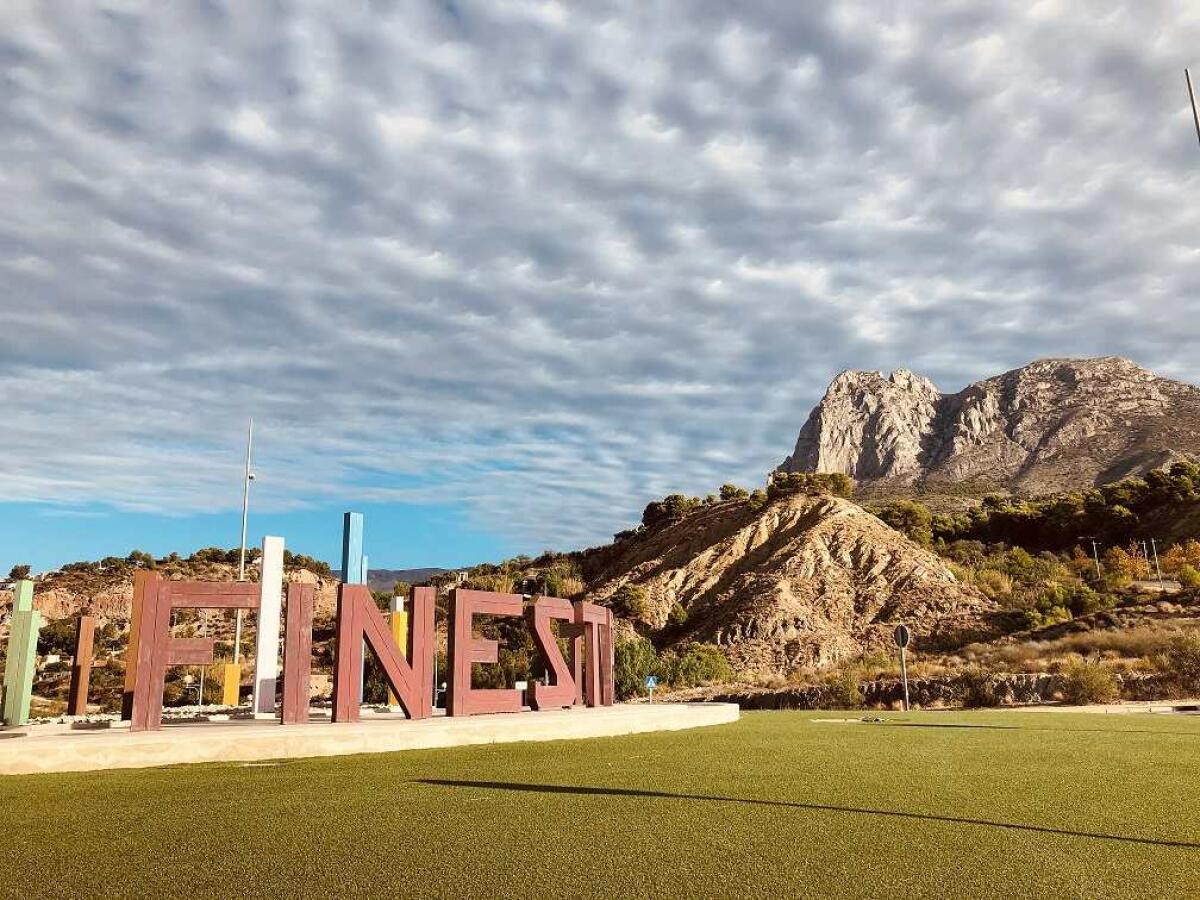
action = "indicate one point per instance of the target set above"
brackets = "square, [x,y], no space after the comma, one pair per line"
[1188,576]
[695,665]
[1180,662]
[57,636]
[842,691]
[979,688]
[633,659]
[630,601]
[910,518]
[669,509]
[1085,682]
[839,484]
[733,492]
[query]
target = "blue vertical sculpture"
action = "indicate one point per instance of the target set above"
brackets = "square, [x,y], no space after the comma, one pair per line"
[21,662]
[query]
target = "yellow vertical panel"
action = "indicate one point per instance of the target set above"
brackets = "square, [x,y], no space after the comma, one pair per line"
[232,680]
[400,635]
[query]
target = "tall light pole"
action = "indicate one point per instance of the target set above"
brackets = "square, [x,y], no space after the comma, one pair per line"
[248,477]
[1192,97]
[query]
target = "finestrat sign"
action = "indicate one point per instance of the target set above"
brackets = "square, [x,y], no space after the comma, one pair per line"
[584,676]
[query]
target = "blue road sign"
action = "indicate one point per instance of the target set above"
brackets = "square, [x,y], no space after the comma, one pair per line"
[651,682]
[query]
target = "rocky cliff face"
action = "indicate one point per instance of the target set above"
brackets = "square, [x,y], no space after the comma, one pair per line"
[1052,425]
[802,581]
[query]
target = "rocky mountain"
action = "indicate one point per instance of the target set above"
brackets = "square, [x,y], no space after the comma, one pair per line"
[385,579]
[1055,424]
[800,581]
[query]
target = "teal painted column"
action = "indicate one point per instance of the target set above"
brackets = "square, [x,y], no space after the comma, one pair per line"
[352,548]
[21,662]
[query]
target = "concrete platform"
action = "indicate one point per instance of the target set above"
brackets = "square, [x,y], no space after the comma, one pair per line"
[61,748]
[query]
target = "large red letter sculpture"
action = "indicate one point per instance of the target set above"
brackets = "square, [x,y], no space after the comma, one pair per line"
[466,649]
[359,619]
[297,655]
[563,692]
[597,638]
[156,649]
[141,578]
[81,666]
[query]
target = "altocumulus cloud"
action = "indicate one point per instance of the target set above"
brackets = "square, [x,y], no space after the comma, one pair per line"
[550,261]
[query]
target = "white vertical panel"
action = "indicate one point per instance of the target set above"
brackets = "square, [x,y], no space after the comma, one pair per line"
[266,646]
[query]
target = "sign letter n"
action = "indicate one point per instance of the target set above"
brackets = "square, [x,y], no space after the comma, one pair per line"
[359,620]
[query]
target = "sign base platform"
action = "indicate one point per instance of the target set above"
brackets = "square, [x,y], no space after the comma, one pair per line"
[53,748]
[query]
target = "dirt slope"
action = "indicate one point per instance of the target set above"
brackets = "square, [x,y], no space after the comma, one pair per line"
[801,581]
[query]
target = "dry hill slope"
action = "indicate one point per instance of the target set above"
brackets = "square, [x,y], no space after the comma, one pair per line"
[803,580]
[1055,424]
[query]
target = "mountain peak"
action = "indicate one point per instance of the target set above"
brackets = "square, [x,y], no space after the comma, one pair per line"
[1054,424]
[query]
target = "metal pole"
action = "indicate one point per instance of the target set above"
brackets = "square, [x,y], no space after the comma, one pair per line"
[1192,97]
[246,479]
[904,678]
[1157,568]
[1096,557]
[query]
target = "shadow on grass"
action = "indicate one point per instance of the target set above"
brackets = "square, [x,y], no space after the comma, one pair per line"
[819,807]
[893,724]
[952,725]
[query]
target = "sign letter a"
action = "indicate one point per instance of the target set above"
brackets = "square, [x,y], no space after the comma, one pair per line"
[411,679]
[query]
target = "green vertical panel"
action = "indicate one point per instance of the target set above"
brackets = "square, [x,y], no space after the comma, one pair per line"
[19,693]
[21,664]
[23,596]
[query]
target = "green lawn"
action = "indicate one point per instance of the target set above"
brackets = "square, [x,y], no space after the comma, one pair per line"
[932,804]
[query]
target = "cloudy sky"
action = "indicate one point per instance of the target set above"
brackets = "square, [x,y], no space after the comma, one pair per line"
[500,273]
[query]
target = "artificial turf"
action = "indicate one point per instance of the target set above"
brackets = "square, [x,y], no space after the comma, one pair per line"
[779,804]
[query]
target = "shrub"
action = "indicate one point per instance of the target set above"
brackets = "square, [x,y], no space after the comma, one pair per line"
[57,636]
[1181,662]
[994,584]
[911,518]
[1188,576]
[838,484]
[18,573]
[842,691]
[733,492]
[1081,600]
[979,689]
[678,615]
[630,601]
[1086,682]
[141,559]
[697,664]
[633,659]
[669,509]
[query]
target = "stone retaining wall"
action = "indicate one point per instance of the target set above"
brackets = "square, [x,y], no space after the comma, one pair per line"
[1015,689]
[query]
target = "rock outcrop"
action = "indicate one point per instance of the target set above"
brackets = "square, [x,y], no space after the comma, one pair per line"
[803,581]
[1055,424]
